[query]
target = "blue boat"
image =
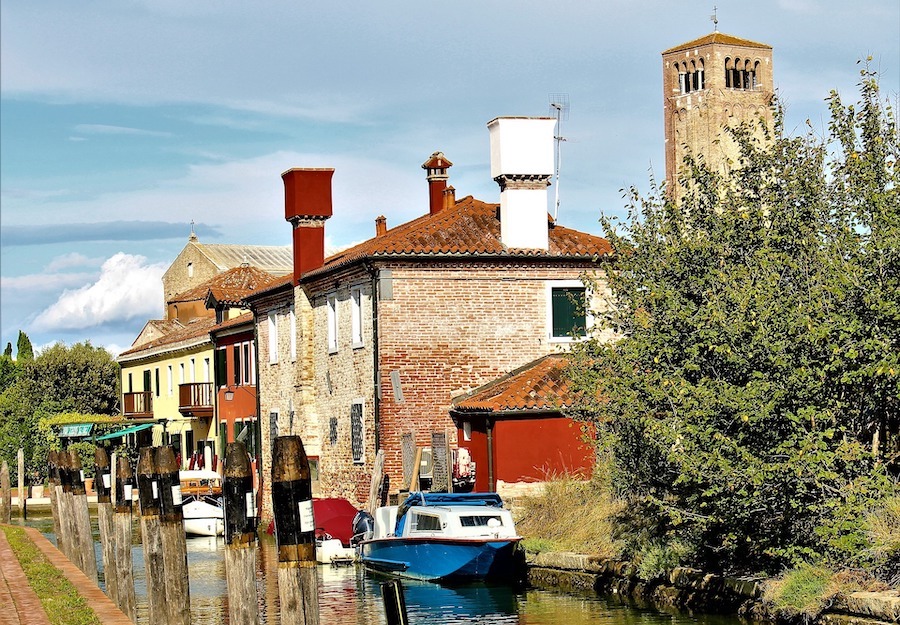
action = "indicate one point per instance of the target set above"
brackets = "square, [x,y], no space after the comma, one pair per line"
[454,537]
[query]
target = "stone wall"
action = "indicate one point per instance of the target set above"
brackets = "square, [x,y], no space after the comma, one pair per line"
[698,591]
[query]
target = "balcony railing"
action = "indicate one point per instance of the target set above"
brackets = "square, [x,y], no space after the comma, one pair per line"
[138,405]
[196,399]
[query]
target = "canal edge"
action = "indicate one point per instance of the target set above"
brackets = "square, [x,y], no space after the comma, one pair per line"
[694,590]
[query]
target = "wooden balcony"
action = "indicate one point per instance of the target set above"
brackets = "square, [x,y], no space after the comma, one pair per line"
[138,405]
[196,399]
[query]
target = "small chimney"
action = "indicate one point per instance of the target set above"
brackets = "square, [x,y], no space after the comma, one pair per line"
[380,225]
[522,164]
[449,197]
[436,167]
[307,204]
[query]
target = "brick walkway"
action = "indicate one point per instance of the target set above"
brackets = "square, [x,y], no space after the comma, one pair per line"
[19,605]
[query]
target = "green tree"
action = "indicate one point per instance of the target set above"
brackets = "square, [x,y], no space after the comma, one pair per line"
[24,350]
[61,379]
[8,351]
[747,403]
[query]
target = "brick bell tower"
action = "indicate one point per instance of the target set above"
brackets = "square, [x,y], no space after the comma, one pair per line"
[708,84]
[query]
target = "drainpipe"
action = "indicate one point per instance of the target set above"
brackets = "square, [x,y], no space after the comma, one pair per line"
[376,403]
[489,428]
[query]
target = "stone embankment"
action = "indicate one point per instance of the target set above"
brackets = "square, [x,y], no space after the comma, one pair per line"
[690,589]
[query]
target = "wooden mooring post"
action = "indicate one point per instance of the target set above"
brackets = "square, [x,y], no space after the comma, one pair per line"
[23,494]
[84,538]
[102,483]
[5,493]
[63,490]
[148,495]
[122,528]
[52,483]
[178,596]
[394,602]
[240,536]
[295,528]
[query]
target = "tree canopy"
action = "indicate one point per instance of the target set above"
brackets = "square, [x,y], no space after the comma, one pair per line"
[62,379]
[752,405]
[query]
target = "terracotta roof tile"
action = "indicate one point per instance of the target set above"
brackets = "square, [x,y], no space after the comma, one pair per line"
[717,37]
[186,333]
[228,287]
[539,385]
[470,228]
[240,320]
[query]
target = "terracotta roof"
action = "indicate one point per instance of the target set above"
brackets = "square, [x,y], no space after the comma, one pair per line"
[470,228]
[538,386]
[717,37]
[228,287]
[185,335]
[277,260]
[245,318]
[274,285]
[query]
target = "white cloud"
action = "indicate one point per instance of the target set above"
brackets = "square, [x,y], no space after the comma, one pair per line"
[127,288]
[44,282]
[72,259]
[105,129]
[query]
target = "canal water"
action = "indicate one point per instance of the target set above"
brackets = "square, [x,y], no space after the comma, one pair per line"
[349,595]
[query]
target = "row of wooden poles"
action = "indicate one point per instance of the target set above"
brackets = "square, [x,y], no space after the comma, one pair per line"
[162,530]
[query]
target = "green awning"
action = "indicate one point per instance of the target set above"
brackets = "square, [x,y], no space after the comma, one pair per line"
[131,430]
[76,430]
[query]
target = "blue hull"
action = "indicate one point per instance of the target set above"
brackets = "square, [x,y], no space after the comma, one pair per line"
[444,559]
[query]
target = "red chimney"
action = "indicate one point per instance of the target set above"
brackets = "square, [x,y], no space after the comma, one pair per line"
[380,225]
[307,204]
[436,166]
[449,197]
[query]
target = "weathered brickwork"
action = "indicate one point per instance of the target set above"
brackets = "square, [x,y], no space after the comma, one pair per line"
[696,118]
[442,330]
[190,269]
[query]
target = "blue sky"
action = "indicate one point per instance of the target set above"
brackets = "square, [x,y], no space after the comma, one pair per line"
[121,122]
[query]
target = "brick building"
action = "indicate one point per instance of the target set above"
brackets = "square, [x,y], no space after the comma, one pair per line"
[709,84]
[382,336]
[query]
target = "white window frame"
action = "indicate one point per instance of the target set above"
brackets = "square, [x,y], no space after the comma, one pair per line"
[332,321]
[171,380]
[273,338]
[206,365]
[181,373]
[588,317]
[356,317]
[192,371]
[293,328]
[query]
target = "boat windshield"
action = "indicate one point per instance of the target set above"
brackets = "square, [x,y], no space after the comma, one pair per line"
[478,520]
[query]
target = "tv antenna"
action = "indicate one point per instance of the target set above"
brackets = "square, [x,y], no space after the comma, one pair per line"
[559,108]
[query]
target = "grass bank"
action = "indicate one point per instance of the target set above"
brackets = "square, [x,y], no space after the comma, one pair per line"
[59,598]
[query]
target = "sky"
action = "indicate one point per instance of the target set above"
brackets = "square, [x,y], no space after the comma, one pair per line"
[122,123]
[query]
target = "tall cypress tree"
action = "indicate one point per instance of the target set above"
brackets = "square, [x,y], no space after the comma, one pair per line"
[24,350]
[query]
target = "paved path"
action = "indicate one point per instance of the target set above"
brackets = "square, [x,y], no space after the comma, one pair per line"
[19,605]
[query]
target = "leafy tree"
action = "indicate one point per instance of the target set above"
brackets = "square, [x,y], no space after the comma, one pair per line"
[9,371]
[747,404]
[8,351]
[24,350]
[80,379]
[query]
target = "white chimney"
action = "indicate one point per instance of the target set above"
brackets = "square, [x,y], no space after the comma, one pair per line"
[522,164]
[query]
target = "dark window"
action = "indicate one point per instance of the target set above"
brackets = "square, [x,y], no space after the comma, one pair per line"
[148,385]
[223,438]
[246,363]
[477,520]
[157,381]
[356,432]
[568,311]
[426,523]
[221,367]
[332,430]
[236,363]
[130,389]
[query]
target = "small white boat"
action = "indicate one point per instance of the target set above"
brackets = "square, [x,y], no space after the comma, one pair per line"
[202,504]
[332,551]
[203,517]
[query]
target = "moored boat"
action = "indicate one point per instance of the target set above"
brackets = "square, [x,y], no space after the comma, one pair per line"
[202,504]
[444,537]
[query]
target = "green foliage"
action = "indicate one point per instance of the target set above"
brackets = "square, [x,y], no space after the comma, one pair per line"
[80,379]
[9,372]
[8,351]
[24,350]
[802,590]
[748,405]
[660,558]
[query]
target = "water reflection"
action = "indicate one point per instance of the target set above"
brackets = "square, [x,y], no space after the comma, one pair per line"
[348,595]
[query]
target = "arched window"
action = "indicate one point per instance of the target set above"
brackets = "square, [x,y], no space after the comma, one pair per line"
[701,78]
[728,67]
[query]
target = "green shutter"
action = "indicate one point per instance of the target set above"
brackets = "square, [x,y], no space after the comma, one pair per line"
[568,311]
[221,368]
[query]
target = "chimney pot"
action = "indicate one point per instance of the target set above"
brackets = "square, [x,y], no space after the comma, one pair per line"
[307,204]
[436,167]
[380,225]
[449,197]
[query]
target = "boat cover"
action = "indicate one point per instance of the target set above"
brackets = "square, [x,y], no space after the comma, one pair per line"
[444,499]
